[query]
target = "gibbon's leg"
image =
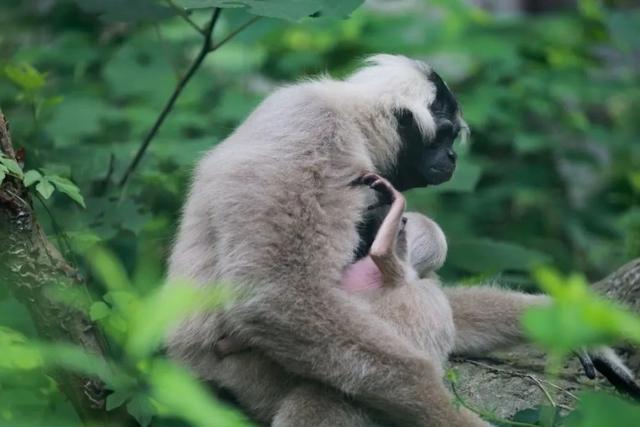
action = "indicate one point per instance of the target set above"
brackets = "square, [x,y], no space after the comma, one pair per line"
[313,405]
[378,368]
[487,318]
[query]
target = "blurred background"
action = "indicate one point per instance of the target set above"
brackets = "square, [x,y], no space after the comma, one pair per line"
[550,89]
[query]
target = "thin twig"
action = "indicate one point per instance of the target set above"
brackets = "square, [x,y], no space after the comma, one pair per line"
[184,14]
[235,32]
[204,51]
[532,377]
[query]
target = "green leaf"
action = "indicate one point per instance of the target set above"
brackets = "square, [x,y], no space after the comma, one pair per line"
[45,188]
[2,175]
[292,10]
[109,270]
[31,177]
[163,308]
[141,409]
[83,240]
[117,399]
[67,187]
[99,310]
[17,353]
[182,395]
[577,317]
[25,76]
[598,409]
[12,166]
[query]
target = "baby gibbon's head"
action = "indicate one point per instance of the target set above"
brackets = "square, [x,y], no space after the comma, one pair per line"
[425,242]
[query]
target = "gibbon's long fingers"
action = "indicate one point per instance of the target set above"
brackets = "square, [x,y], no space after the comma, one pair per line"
[614,370]
[587,363]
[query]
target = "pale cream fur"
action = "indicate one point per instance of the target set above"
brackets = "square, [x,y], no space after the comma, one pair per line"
[272,213]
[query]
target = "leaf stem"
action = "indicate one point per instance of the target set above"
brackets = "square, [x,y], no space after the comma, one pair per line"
[234,33]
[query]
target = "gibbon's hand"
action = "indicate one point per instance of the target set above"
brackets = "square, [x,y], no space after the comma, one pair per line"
[586,362]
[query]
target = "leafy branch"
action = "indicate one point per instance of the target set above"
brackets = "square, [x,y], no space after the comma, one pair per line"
[208,46]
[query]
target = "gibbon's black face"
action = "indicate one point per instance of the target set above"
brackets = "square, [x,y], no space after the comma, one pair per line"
[420,162]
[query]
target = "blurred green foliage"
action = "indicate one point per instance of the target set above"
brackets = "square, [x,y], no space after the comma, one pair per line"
[551,173]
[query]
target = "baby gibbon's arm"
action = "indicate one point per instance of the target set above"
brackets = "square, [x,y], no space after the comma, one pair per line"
[383,250]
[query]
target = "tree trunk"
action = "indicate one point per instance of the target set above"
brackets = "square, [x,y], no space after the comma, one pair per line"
[508,382]
[30,266]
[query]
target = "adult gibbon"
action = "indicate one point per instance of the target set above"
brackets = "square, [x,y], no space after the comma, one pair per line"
[273,212]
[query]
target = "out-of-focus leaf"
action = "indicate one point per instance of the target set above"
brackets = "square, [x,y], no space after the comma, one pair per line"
[109,270]
[141,409]
[163,309]
[127,10]
[292,10]
[67,187]
[117,399]
[577,317]
[83,240]
[25,76]
[598,409]
[16,351]
[99,310]
[180,394]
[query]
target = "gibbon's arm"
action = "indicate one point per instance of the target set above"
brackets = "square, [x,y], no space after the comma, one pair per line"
[383,250]
[488,318]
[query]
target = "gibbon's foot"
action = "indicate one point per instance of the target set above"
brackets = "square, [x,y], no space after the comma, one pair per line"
[586,362]
[607,362]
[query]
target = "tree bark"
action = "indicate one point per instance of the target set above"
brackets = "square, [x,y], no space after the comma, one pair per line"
[508,382]
[30,268]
